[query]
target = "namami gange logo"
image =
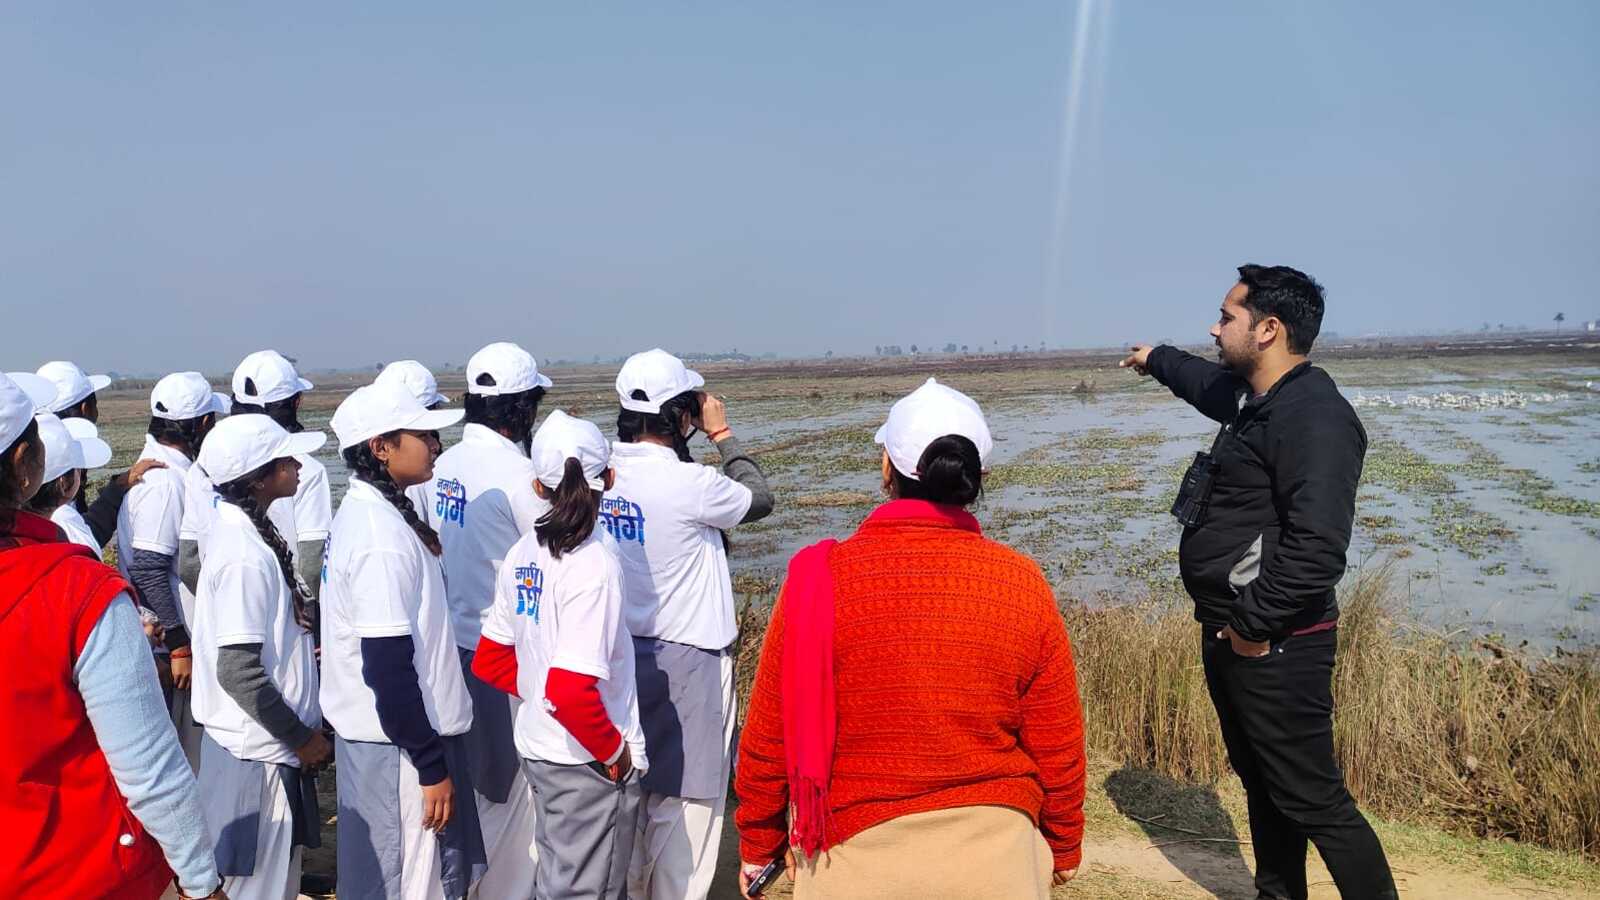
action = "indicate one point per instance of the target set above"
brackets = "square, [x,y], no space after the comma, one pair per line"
[530,585]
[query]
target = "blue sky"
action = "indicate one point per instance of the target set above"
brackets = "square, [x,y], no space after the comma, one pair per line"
[184,183]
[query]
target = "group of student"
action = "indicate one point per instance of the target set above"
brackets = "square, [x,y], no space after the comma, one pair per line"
[517,649]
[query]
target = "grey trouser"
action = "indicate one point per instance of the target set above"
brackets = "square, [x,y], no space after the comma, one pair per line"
[585,830]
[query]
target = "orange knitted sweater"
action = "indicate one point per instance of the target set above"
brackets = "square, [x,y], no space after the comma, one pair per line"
[955,687]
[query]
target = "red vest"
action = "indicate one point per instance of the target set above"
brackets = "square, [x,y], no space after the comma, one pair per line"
[67,831]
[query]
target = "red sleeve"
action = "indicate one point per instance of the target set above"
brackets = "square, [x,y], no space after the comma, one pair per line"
[496,665]
[761,780]
[1052,734]
[575,702]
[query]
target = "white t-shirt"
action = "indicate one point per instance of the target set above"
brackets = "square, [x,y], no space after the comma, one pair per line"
[378,580]
[566,614]
[200,500]
[667,516]
[77,530]
[152,515]
[243,599]
[313,502]
[482,502]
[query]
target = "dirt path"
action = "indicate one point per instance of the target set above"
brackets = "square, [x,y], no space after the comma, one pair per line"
[1198,870]
[1124,866]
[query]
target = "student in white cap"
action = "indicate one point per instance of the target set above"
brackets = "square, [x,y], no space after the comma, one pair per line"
[416,378]
[108,806]
[71,448]
[482,501]
[555,637]
[77,397]
[667,514]
[391,677]
[265,382]
[183,408]
[255,668]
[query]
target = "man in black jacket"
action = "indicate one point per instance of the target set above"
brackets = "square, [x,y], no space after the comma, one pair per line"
[1267,517]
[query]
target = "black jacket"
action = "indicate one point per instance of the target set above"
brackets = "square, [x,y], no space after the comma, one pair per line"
[1272,546]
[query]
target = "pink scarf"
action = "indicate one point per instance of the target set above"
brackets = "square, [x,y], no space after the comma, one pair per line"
[810,713]
[810,718]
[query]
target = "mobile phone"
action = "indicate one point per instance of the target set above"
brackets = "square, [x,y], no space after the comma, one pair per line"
[765,877]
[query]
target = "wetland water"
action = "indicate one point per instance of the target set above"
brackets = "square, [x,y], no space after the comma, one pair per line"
[1486,504]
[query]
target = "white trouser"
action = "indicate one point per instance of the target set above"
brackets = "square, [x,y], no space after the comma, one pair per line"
[277,874]
[675,851]
[420,874]
[508,839]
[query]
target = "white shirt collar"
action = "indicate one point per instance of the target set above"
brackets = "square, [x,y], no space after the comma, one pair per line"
[473,433]
[643,450]
[173,457]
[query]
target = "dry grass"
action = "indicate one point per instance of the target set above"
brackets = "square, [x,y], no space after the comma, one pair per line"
[1476,740]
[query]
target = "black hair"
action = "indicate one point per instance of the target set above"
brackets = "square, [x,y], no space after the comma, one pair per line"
[53,494]
[574,507]
[10,490]
[632,425]
[509,414]
[88,409]
[369,468]
[285,412]
[1290,295]
[184,434]
[948,472]
[239,493]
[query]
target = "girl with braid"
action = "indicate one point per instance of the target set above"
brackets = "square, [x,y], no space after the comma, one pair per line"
[183,408]
[391,678]
[255,684]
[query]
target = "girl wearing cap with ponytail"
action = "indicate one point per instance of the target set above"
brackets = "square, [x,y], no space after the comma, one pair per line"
[668,514]
[266,382]
[96,799]
[391,677]
[416,378]
[482,501]
[555,637]
[914,727]
[183,409]
[255,671]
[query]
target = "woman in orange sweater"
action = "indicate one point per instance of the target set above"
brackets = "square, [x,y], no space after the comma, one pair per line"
[915,729]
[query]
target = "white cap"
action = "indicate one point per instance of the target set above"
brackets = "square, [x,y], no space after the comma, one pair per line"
[240,445]
[186,395]
[563,437]
[71,384]
[381,408]
[923,416]
[660,375]
[512,368]
[414,377]
[22,396]
[68,445]
[272,376]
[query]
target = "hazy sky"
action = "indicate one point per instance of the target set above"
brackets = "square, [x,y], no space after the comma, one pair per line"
[182,183]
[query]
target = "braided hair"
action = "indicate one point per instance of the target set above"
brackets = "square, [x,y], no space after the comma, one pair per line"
[183,434]
[509,414]
[370,469]
[240,492]
[285,412]
[631,425]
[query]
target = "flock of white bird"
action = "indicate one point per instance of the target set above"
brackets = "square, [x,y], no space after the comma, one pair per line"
[1506,399]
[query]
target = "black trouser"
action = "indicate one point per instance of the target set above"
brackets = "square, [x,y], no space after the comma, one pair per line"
[1277,721]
